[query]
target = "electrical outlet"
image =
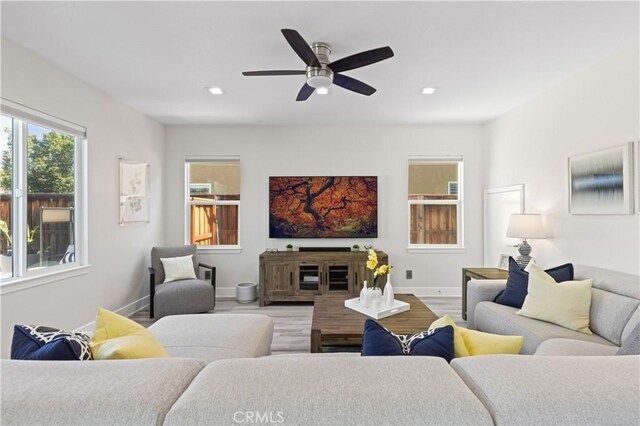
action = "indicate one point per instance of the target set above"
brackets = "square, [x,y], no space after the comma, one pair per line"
[409,274]
[207,275]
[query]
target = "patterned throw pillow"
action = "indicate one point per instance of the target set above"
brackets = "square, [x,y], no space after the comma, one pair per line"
[40,343]
[378,341]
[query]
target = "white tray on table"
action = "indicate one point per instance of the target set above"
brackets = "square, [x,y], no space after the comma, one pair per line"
[383,312]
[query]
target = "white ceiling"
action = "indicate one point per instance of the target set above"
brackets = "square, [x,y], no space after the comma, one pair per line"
[485,57]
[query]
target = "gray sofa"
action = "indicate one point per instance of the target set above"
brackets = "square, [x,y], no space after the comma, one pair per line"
[233,382]
[614,313]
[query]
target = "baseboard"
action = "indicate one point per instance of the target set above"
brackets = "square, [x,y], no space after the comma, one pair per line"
[223,293]
[125,311]
[430,291]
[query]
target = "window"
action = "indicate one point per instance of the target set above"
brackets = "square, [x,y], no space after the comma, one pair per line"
[213,202]
[435,203]
[39,179]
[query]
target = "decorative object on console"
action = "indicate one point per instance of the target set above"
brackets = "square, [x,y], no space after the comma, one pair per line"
[134,192]
[566,304]
[355,247]
[289,247]
[378,341]
[40,343]
[320,72]
[503,263]
[525,225]
[601,182]
[518,282]
[323,207]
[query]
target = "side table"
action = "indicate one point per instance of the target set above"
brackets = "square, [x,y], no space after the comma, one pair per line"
[478,274]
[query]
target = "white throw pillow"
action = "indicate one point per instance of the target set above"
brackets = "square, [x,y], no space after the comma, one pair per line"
[178,268]
[566,304]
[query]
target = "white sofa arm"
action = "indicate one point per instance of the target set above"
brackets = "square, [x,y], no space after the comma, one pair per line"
[480,291]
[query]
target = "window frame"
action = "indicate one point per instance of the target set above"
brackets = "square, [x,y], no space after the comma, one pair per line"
[227,248]
[439,248]
[22,277]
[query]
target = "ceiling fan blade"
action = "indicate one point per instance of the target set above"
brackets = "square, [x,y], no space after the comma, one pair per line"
[273,72]
[301,47]
[352,84]
[305,92]
[361,59]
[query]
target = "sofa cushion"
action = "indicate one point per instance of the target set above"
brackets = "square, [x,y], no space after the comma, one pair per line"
[565,304]
[123,392]
[327,390]
[631,345]
[616,282]
[500,319]
[41,343]
[518,283]
[567,390]
[211,337]
[609,314]
[378,341]
[574,347]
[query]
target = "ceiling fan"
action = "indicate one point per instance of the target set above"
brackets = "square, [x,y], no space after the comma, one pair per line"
[320,72]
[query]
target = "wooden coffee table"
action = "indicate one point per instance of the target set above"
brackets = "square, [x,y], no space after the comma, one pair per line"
[334,324]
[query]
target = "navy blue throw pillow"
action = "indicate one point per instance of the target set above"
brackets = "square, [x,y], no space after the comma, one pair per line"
[378,341]
[39,343]
[518,283]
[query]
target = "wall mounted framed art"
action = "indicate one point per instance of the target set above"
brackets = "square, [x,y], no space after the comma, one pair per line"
[601,182]
[134,192]
[323,207]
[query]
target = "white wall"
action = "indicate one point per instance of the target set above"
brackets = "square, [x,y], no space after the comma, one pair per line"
[595,109]
[321,151]
[118,255]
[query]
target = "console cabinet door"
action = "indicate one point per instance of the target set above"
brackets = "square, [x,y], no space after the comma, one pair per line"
[360,275]
[307,278]
[279,278]
[338,277]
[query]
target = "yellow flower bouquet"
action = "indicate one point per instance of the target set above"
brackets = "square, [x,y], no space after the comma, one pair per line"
[378,270]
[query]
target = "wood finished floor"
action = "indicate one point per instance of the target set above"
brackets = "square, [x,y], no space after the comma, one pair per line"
[292,321]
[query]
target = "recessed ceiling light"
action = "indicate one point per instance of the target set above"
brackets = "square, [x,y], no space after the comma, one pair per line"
[215,90]
[322,90]
[429,90]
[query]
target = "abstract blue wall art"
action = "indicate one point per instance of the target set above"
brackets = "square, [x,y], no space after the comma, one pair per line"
[601,182]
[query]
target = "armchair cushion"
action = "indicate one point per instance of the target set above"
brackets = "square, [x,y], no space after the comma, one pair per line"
[165,252]
[183,297]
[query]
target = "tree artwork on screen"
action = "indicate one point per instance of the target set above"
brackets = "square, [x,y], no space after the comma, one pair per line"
[323,207]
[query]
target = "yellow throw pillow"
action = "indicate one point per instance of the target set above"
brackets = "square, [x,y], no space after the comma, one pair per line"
[458,343]
[479,343]
[566,304]
[117,337]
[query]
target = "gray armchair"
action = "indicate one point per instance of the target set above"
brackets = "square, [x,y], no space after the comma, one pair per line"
[179,297]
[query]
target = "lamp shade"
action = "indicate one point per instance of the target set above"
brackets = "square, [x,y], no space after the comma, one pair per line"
[526,226]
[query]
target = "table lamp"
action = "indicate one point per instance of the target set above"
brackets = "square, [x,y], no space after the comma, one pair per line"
[525,226]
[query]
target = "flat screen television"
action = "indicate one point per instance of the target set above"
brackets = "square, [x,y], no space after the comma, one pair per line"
[323,207]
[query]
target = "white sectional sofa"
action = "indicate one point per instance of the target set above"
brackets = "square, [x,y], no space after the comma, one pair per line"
[233,383]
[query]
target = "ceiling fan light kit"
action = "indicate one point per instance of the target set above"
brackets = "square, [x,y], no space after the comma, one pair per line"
[320,73]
